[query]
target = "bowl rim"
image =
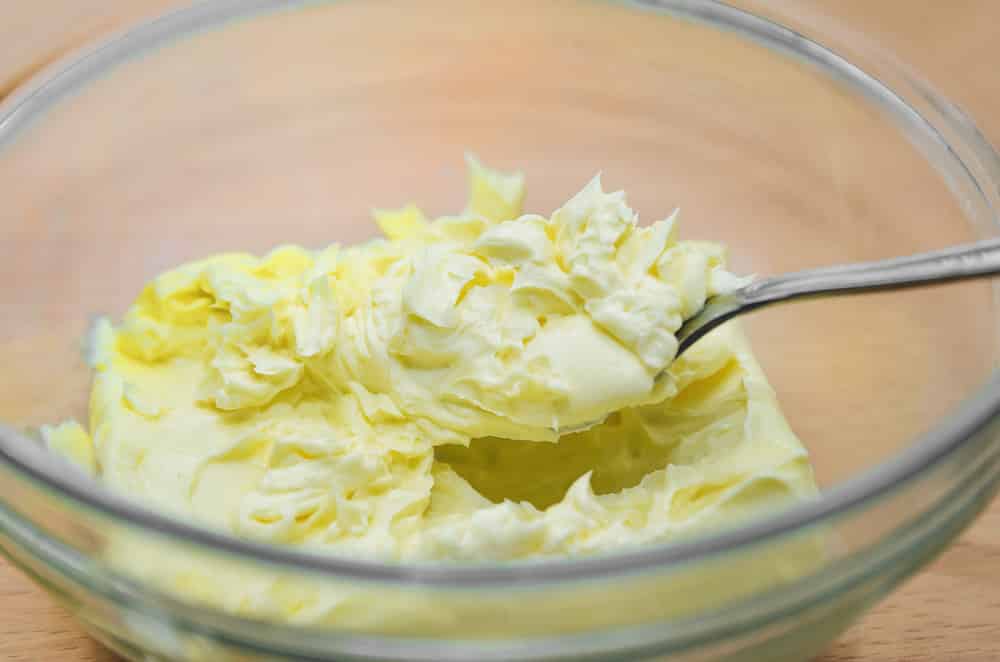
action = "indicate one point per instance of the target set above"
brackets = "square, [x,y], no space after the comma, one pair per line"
[954,432]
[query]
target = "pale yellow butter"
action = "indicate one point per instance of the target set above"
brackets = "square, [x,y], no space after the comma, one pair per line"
[401,399]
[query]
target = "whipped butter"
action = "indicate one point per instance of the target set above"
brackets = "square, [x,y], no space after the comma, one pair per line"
[402,399]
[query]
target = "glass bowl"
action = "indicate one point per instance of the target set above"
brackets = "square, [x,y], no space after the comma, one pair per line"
[238,125]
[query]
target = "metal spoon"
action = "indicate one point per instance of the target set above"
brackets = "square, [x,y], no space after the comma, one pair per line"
[957,263]
[976,260]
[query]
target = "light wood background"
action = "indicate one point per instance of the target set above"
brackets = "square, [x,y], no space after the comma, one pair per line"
[950,612]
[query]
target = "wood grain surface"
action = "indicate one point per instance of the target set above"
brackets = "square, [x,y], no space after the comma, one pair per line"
[950,612]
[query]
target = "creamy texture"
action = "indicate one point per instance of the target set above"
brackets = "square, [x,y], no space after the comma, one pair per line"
[401,398]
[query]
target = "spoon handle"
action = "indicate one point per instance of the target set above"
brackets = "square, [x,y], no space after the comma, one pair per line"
[956,263]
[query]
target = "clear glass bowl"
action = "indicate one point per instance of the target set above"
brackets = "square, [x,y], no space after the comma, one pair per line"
[243,124]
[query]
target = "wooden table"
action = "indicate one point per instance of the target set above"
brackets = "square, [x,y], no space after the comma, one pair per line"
[950,612]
